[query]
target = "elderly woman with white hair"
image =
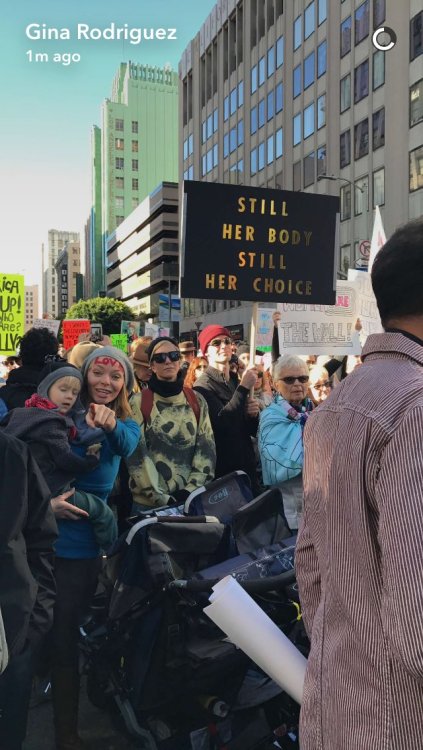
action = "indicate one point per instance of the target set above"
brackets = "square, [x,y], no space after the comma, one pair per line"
[280,437]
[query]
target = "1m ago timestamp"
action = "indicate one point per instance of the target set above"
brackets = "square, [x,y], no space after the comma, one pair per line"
[63,58]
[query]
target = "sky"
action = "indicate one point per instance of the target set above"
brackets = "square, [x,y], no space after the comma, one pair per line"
[48,108]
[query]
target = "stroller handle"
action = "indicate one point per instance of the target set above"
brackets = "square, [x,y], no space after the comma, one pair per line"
[256,586]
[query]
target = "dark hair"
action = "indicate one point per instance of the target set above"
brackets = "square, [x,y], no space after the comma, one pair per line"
[397,274]
[36,344]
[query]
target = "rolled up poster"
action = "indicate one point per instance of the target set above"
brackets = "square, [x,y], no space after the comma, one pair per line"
[249,628]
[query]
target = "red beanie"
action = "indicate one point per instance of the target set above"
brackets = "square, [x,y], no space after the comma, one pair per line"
[210,333]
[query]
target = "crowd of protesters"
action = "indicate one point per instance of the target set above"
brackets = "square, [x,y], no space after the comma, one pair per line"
[342,440]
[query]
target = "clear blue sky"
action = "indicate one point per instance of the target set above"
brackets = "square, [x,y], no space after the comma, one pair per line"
[48,109]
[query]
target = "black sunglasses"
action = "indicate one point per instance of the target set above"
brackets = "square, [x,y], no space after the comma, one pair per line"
[290,379]
[161,357]
[219,342]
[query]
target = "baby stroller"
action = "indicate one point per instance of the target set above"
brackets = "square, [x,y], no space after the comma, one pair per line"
[151,651]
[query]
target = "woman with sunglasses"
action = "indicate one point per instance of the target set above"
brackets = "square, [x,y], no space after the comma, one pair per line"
[176,452]
[280,435]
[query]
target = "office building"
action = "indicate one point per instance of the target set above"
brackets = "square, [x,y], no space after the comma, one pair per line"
[69,277]
[278,94]
[57,239]
[31,305]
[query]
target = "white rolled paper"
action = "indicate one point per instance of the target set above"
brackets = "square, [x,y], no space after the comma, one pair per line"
[249,628]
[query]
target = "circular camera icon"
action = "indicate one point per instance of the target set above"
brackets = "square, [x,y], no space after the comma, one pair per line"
[384,38]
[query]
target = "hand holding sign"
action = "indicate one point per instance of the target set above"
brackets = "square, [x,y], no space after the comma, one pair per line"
[100,415]
[252,408]
[276,317]
[249,378]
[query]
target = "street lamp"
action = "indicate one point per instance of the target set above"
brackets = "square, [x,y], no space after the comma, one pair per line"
[365,192]
[198,324]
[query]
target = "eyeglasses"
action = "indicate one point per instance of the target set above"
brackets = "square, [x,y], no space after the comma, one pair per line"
[290,379]
[218,342]
[318,386]
[161,357]
[53,358]
[201,367]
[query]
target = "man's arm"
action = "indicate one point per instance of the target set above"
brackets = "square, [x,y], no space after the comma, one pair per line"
[308,575]
[399,494]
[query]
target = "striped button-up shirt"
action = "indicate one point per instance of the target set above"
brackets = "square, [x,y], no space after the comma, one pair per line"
[359,556]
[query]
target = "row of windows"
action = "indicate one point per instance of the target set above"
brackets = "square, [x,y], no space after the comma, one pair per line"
[231,102]
[266,152]
[312,163]
[119,202]
[267,65]
[189,173]
[120,183]
[266,108]
[416,103]
[188,146]
[233,139]
[312,118]
[120,163]
[209,160]
[416,36]
[120,145]
[309,69]
[361,81]
[309,21]
[119,125]
[360,191]
[416,169]
[361,138]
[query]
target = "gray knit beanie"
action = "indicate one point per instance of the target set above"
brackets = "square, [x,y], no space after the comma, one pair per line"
[112,352]
[55,371]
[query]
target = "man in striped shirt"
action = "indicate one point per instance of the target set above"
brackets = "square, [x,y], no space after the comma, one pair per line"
[359,555]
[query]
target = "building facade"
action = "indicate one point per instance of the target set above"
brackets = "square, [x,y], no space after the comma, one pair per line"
[57,239]
[69,277]
[31,305]
[142,253]
[135,150]
[281,94]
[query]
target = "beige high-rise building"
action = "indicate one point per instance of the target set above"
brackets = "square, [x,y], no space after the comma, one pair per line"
[56,242]
[280,94]
[69,277]
[31,305]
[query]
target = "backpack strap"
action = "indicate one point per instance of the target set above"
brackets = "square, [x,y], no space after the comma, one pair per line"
[147,398]
[193,402]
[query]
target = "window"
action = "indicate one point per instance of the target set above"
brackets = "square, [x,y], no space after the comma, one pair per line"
[118,124]
[225,108]
[296,175]
[322,13]
[241,165]
[134,202]
[345,259]
[233,101]
[254,79]
[321,58]
[361,24]
[321,160]
[261,113]
[204,164]
[261,156]
[279,97]
[309,22]
[270,149]
[135,183]
[309,169]
[378,69]
[416,169]
[240,132]
[135,165]
[296,125]
[345,202]
[134,126]
[253,161]
[270,105]
[279,143]
[361,81]
[232,140]
[345,148]
[215,155]
[416,37]
[379,128]
[225,145]
[309,120]
[262,71]
[279,52]
[361,195]
[270,61]
[253,120]
[379,11]
[379,187]
[119,182]
[309,70]
[209,126]
[209,160]
[185,149]
[119,220]
[321,111]
[345,100]
[203,134]
[119,144]
[296,80]
[297,32]
[416,103]
[134,146]
[190,144]
[346,36]
[119,162]
[215,123]
[361,139]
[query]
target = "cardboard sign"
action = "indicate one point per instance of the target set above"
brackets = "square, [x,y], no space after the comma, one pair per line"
[52,325]
[164,307]
[244,243]
[151,330]
[366,302]
[265,329]
[72,329]
[321,329]
[12,302]
[131,328]
[120,341]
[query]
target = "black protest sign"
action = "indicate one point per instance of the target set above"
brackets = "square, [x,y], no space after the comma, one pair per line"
[257,244]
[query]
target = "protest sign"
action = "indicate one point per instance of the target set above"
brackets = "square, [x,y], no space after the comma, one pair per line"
[52,325]
[265,329]
[131,328]
[378,238]
[366,302]
[164,307]
[321,329]
[151,330]
[244,243]
[120,341]
[72,329]
[12,301]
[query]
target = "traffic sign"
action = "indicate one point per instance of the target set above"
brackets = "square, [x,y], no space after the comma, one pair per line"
[364,248]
